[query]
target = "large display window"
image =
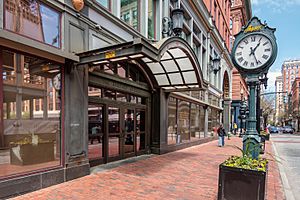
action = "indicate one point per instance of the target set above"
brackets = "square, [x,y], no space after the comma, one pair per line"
[34,20]
[185,121]
[30,132]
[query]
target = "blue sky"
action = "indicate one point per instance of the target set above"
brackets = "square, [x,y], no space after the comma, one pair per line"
[284,15]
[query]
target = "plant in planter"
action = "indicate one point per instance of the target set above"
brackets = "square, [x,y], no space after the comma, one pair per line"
[242,177]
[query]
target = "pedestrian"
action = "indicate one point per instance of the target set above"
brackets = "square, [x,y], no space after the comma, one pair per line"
[221,134]
[235,128]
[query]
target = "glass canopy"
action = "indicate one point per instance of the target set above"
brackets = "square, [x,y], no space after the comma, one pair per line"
[172,62]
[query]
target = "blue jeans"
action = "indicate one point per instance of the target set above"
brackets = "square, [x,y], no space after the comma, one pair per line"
[223,140]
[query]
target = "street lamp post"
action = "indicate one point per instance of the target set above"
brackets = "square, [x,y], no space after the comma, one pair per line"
[264,81]
[248,56]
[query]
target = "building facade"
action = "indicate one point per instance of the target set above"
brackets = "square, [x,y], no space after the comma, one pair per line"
[295,110]
[290,70]
[279,104]
[240,14]
[82,87]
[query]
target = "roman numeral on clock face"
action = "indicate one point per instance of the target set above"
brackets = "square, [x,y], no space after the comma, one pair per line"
[245,63]
[246,41]
[239,53]
[252,64]
[264,44]
[252,38]
[240,59]
[266,50]
[265,56]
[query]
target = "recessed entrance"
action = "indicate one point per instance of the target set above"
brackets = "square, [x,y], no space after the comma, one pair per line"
[117,120]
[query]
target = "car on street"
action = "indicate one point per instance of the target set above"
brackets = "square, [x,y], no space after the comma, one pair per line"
[288,129]
[273,129]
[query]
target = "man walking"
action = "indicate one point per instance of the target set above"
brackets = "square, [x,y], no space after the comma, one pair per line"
[221,134]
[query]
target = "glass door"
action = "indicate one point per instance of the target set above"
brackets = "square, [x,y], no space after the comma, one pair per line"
[114,133]
[95,132]
[140,130]
[129,137]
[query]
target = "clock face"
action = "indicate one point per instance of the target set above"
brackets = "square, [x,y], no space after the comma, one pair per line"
[56,82]
[253,51]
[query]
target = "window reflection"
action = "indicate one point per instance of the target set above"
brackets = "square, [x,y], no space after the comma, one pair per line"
[129,12]
[104,3]
[184,120]
[172,120]
[114,131]
[140,129]
[195,121]
[33,19]
[31,129]
[129,131]
[151,19]
[95,131]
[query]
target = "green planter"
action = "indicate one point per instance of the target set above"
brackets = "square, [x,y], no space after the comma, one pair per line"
[241,184]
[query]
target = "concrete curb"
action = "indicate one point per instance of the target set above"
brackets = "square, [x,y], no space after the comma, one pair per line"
[286,186]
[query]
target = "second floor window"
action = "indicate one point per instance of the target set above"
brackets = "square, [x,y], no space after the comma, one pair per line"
[130,12]
[104,3]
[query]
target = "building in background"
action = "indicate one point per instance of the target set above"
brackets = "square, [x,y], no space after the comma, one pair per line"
[295,111]
[107,85]
[279,103]
[241,13]
[290,70]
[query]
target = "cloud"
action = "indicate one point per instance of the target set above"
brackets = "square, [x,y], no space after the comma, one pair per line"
[277,6]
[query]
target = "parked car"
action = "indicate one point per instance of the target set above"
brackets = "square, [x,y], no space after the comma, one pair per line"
[273,129]
[288,129]
[280,129]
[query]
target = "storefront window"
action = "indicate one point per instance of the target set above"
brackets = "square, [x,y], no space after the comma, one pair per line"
[195,122]
[33,19]
[31,132]
[202,121]
[129,12]
[172,120]
[184,120]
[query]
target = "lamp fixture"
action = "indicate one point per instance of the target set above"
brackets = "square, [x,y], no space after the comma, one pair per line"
[215,64]
[264,80]
[173,25]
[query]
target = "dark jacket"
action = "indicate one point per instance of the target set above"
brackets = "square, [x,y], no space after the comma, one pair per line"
[221,131]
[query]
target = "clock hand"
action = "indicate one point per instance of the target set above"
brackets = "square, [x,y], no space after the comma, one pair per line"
[256,47]
[255,58]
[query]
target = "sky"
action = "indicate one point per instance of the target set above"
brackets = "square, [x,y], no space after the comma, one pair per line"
[284,15]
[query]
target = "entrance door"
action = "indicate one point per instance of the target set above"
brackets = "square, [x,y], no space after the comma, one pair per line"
[130,139]
[96,133]
[115,132]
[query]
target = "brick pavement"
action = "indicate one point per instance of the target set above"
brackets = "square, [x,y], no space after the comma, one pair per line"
[191,173]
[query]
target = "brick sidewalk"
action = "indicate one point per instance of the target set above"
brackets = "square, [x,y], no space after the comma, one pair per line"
[186,174]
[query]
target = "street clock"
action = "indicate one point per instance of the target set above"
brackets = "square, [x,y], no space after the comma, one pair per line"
[254,49]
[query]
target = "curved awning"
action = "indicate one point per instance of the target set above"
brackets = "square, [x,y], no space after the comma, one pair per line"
[171,63]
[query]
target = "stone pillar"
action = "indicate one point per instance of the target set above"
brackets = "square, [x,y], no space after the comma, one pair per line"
[1,102]
[19,83]
[31,109]
[205,121]
[226,114]
[76,120]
